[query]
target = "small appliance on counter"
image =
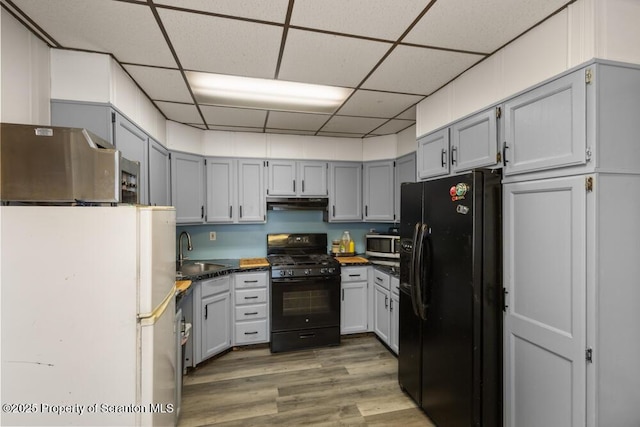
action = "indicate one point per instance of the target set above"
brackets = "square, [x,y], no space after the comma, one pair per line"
[383,249]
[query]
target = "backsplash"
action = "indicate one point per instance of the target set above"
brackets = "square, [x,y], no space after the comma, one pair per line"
[250,240]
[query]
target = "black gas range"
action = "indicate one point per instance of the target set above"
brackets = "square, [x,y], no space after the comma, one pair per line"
[305,292]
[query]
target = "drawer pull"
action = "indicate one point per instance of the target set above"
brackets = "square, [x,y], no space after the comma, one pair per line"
[379,279]
[251,333]
[354,275]
[250,281]
[253,313]
[253,297]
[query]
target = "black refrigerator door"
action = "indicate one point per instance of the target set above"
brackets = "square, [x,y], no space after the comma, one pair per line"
[450,345]
[410,325]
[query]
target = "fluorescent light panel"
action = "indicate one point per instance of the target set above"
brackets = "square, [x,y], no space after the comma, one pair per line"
[248,92]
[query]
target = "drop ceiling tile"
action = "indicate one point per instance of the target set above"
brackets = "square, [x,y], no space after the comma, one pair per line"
[222,116]
[393,126]
[369,18]
[126,30]
[327,59]
[183,113]
[479,26]
[272,10]
[352,124]
[160,84]
[225,46]
[299,121]
[377,104]
[418,70]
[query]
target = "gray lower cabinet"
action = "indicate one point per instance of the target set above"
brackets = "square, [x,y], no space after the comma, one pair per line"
[212,321]
[235,190]
[381,305]
[159,174]
[187,187]
[345,191]
[394,321]
[378,191]
[251,308]
[354,300]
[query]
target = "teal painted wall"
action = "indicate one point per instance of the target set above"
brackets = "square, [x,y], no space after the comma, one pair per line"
[250,240]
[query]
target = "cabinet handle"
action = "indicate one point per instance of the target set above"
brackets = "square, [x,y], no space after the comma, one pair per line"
[303,185]
[454,158]
[343,295]
[253,297]
[206,311]
[391,306]
[334,210]
[240,211]
[386,302]
[366,210]
[294,185]
[504,153]
[202,211]
[250,281]
[251,333]
[379,279]
[443,155]
[230,211]
[253,313]
[354,275]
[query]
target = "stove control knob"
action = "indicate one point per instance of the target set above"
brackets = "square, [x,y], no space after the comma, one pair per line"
[290,272]
[323,271]
[331,270]
[282,273]
[307,271]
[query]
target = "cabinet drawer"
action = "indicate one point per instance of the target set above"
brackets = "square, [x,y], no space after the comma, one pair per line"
[251,280]
[395,285]
[215,286]
[354,274]
[381,279]
[250,332]
[251,312]
[251,296]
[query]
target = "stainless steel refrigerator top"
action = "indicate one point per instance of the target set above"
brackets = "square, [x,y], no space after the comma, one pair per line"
[450,300]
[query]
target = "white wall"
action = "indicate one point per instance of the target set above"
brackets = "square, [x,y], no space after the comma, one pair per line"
[24,71]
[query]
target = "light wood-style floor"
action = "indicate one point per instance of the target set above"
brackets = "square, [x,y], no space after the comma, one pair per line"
[353,384]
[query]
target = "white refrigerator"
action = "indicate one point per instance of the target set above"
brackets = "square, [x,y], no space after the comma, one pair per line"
[88,316]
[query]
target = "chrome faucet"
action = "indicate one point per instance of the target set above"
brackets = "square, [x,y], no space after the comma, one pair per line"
[181,257]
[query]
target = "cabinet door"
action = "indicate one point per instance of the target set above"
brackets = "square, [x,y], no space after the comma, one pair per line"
[220,190]
[282,178]
[134,145]
[216,324]
[405,172]
[353,316]
[474,141]
[345,192]
[159,175]
[251,200]
[312,177]
[546,127]
[545,320]
[96,118]
[433,154]
[394,309]
[187,187]
[378,197]
[381,313]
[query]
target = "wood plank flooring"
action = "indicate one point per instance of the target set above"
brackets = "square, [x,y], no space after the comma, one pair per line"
[353,384]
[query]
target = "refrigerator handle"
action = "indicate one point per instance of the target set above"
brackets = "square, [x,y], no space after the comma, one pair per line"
[422,313]
[412,270]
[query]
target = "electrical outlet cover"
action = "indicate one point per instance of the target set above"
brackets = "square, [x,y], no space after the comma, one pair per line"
[212,235]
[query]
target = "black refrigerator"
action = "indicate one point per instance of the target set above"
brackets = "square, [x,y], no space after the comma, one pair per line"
[450,328]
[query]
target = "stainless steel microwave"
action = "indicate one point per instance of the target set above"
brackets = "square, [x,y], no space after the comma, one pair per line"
[383,245]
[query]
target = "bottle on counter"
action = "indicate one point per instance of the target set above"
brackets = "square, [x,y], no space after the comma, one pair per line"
[344,242]
[335,247]
[352,247]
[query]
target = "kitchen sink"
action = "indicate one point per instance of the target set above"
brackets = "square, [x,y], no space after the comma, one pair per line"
[195,268]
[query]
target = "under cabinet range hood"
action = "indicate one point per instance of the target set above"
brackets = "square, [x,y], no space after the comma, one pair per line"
[59,165]
[297,204]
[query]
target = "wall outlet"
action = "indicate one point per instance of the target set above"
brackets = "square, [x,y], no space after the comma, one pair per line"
[212,235]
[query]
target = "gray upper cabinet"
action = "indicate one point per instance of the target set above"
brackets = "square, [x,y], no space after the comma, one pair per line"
[345,191]
[433,154]
[235,190]
[405,172]
[378,191]
[187,187]
[546,126]
[474,141]
[134,145]
[159,174]
[297,178]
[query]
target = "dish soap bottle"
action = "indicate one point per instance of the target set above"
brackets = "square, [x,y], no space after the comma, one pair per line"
[344,242]
[352,247]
